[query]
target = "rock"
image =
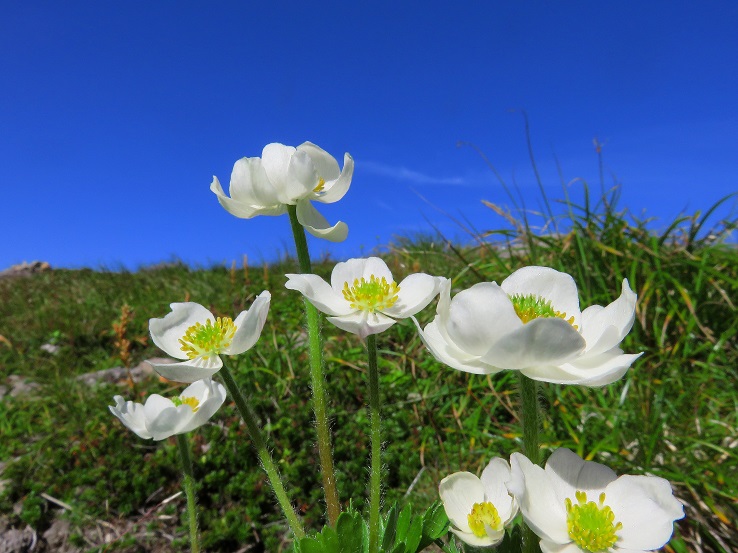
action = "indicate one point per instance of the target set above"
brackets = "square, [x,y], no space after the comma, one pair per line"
[53,349]
[25,269]
[57,534]
[120,374]
[20,386]
[18,541]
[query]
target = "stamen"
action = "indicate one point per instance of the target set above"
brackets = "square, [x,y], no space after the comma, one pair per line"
[529,307]
[374,295]
[483,515]
[208,339]
[591,525]
[191,401]
[321,184]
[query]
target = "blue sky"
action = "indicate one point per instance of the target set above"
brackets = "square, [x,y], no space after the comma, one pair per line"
[115,115]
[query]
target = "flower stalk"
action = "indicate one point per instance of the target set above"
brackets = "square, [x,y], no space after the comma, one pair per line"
[265,457]
[317,379]
[376,445]
[531,447]
[188,483]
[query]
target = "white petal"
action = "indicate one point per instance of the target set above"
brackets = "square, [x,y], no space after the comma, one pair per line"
[163,418]
[302,178]
[167,331]
[446,352]
[325,164]
[459,492]
[250,184]
[604,328]
[542,510]
[540,342]
[590,371]
[568,473]
[336,189]
[319,293]
[494,478]
[363,324]
[131,415]
[190,370]
[477,317]
[553,547]
[416,292]
[249,324]
[555,286]
[210,399]
[486,541]
[358,268]
[317,225]
[275,159]
[244,211]
[646,507]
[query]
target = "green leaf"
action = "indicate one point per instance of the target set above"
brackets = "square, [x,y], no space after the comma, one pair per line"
[435,525]
[414,535]
[390,529]
[351,530]
[403,523]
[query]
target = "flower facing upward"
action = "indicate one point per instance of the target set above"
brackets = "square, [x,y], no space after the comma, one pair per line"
[160,417]
[284,176]
[532,323]
[479,509]
[578,506]
[192,333]
[363,298]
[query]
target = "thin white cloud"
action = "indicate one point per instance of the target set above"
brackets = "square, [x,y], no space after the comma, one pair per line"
[405,174]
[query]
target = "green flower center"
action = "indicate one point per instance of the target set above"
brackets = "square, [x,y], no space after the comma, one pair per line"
[191,401]
[591,525]
[529,307]
[209,338]
[372,295]
[483,515]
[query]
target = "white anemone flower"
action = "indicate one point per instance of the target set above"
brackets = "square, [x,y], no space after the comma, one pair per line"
[161,417]
[192,333]
[578,506]
[284,176]
[479,509]
[532,323]
[363,298]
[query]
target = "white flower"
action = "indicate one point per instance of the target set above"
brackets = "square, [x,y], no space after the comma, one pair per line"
[479,509]
[289,176]
[532,323]
[362,297]
[191,332]
[579,506]
[160,417]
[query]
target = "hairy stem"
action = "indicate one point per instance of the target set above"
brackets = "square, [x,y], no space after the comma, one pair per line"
[531,447]
[188,483]
[376,445]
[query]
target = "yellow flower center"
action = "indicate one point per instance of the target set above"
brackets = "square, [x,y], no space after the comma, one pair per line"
[529,307]
[591,525]
[483,515]
[321,184]
[191,401]
[209,338]
[372,295]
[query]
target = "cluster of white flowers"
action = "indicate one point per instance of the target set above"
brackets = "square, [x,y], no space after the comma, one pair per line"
[530,323]
[574,506]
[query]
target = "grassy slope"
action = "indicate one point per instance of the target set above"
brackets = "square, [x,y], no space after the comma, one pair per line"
[674,415]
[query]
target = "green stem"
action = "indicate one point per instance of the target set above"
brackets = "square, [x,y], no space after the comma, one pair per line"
[317,379]
[188,483]
[531,444]
[376,445]
[265,457]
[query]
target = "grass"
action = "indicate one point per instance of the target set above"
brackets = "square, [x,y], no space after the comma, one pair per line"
[675,414]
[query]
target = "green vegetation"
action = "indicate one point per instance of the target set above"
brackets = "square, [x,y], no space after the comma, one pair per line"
[675,413]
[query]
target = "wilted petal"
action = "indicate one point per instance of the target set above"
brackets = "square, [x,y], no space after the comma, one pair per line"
[416,292]
[557,287]
[166,332]
[191,370]
[319,293]
[541,342]
[249,324]
[317,225]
